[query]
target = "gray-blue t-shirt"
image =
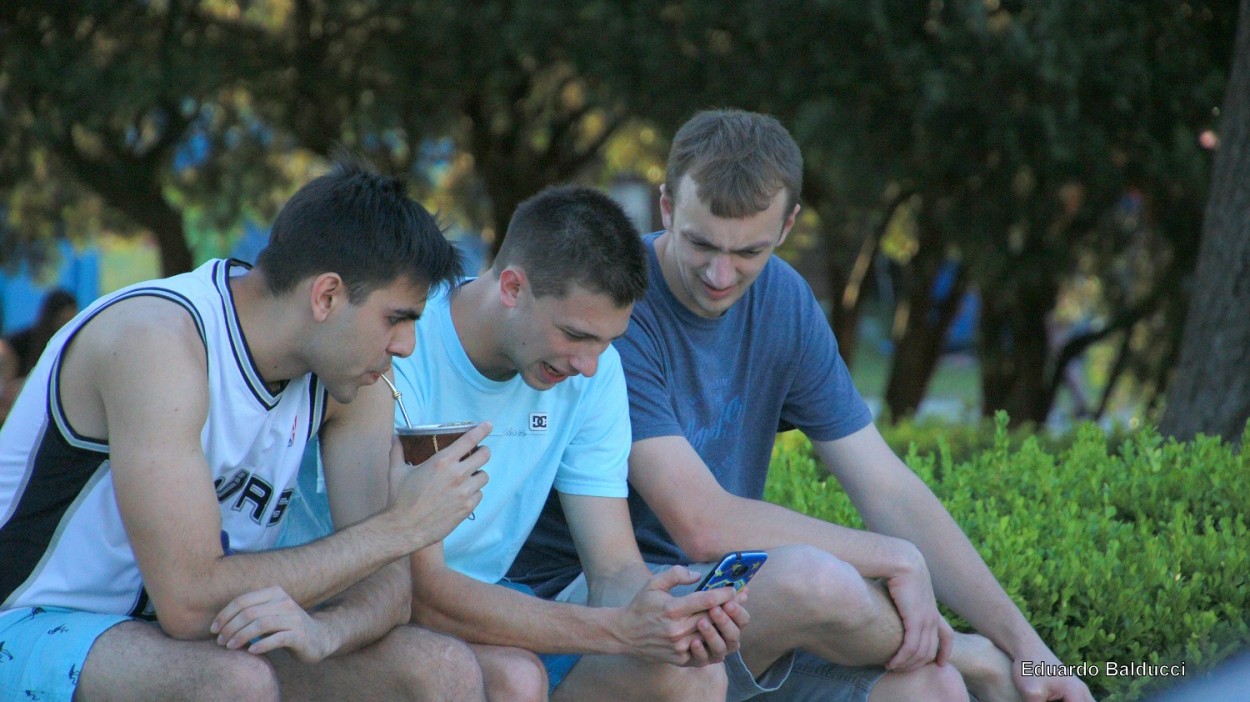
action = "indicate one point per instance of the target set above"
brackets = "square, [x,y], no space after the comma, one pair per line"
[728,385]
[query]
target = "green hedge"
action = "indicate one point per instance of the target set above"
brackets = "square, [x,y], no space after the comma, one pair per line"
[1116,550]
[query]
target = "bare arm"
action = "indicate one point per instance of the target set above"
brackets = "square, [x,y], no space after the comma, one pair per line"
[894,501]
[357,447]
[137,374]
[706,521]
[652,624]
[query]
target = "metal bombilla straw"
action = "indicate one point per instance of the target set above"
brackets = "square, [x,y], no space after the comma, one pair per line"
[398,400]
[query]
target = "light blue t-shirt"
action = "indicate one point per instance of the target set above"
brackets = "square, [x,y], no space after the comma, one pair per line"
[574,437]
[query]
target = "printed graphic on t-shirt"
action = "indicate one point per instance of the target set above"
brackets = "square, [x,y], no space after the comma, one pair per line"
[538,421]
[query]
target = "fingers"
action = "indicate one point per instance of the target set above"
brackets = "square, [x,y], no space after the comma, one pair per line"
[697,653]
[714,646]
[697,602]
[254,615]
[273,642]
[920,646]
[461,447]
[465,456]
[238,604]
[737,614]
[721,631]
[720,634]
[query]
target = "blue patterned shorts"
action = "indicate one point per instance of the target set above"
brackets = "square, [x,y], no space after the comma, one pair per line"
[42,650]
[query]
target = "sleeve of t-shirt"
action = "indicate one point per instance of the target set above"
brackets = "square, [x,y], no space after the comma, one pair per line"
[650,404]
[822,401]
[596,461]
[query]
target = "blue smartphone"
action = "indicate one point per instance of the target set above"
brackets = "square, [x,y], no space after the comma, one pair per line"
[733,570]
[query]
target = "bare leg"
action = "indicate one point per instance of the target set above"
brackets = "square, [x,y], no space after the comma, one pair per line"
[511,674]
[621,678]
[806,598]
[985,668]
[135,661]
[409,663]
[931,682]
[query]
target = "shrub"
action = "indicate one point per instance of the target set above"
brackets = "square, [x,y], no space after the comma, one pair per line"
[1135,552]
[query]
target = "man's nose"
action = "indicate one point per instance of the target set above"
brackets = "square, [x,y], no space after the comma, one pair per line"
[403,341]
[721,271]
[585,364]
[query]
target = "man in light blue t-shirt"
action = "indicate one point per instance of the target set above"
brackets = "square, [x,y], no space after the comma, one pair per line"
[728,347]
[526,347]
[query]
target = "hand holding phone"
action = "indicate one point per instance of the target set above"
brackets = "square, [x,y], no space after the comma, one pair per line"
[733,570]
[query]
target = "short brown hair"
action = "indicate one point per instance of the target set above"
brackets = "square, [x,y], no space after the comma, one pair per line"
[359,224]
[571,235]
[738,159]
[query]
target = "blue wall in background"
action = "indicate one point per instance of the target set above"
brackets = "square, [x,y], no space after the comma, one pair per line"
[22,288]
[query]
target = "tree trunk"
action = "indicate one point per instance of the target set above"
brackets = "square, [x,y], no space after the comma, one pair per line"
[133,187]
[846,300]
[1014,346]
[917,352]
[1210,392]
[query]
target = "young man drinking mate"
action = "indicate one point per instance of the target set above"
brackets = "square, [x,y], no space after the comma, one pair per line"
[527,347]
[148,462]
[728,345]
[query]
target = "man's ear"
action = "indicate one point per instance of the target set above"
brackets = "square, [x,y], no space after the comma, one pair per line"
[512,282]
[666,207]
[327,292]
[787,225]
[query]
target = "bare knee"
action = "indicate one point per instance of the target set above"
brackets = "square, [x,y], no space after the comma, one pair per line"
[237,675]
[134,659]
[819,588]
[932,682]
[430,666]
[512,674]
[691,684]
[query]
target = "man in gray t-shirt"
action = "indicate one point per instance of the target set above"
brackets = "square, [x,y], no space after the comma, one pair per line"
[728,347]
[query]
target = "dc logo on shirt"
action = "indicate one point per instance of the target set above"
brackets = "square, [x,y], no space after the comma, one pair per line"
[538,421]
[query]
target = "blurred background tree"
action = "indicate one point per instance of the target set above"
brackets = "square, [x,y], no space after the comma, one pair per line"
[1047,159]
[1211,393]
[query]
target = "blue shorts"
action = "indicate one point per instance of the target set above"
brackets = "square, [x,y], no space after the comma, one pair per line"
[42,650]
[558,665]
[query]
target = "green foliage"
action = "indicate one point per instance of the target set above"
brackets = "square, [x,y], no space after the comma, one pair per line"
[1116,551]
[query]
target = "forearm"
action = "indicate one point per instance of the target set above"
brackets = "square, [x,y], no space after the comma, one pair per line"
[492,614]
[961,579]
[310,574]
[617,588]
[762,525]
[366,611]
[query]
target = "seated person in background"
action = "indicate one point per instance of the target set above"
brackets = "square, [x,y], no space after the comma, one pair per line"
[140,494]
[527,347]
[57,308]
[20,351]
[729,344]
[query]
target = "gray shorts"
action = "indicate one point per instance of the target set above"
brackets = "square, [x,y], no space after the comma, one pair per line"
[796,677]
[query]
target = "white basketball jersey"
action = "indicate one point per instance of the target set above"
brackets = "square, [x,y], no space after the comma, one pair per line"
[62,542]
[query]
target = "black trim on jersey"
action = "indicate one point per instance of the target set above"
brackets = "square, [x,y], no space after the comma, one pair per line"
[61,475]
[141,605]
[238,342]
[55,409]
